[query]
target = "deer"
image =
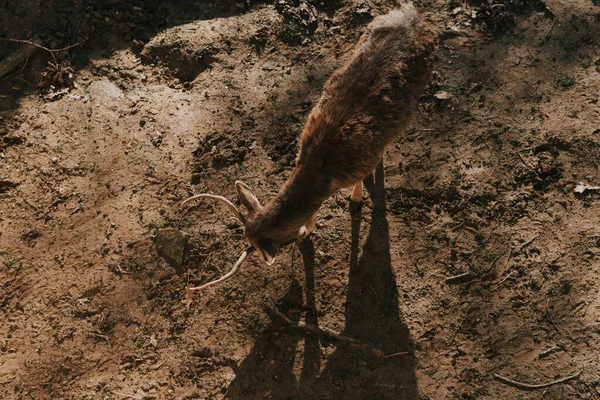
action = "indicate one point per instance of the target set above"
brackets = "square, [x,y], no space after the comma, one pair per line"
[365,105]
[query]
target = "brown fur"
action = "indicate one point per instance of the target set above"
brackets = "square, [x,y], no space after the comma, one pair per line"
[365,105]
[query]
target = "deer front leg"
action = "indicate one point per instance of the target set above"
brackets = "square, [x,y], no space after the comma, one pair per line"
[356,197]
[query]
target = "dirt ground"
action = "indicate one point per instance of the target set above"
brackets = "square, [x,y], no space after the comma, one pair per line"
[161,101]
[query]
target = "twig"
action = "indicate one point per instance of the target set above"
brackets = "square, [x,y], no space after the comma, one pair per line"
[550,316]
[38,45]
[550,30]
[65,133]
[121,270]
[493,263]
[527,243]
[508,258]
[78,208]
[549,351]
[108,230]
[401,353]
[18,57]
[32,206]
[505,265]
[98,335]
[432,274]
[328,334]
[157,366]
[523,160]
[506,277]
[467,276]
[528,386]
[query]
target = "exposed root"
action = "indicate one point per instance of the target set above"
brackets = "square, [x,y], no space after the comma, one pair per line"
[328,334]
[528,386]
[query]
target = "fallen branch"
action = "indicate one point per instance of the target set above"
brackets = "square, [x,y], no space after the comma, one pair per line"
[37,43]
[328,334]
[19,56]
[467,276]
[528,386]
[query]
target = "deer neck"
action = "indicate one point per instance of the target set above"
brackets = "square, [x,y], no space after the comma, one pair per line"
[297,201]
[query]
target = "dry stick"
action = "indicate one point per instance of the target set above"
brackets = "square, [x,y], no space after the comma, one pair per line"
[98,335]
[529,242]
[551,28]
[550,316]
[505,265]
[460,278]
[493,263]
[524,162]
[529,386]
[506,277]
[37,44]
[65,133]
[401,353]
[18,57]
[328,334]
[549,351]
[157,366]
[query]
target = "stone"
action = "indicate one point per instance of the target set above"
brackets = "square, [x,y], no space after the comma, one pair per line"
[171,245]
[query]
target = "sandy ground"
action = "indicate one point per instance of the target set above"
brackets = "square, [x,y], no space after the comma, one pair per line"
[164,101]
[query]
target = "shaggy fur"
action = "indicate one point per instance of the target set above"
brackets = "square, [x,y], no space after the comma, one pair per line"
[365,105]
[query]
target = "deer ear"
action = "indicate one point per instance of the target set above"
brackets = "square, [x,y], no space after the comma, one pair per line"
[302,232]
[268,250]
[247,198]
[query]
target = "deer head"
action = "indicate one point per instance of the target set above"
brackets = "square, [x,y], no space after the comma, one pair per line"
[265,229]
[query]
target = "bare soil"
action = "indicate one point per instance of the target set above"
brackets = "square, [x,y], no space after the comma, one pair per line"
[160,101]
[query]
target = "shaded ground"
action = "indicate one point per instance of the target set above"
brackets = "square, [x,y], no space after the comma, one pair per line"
[170,100]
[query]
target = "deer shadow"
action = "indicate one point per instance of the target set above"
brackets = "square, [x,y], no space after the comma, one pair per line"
[372,317]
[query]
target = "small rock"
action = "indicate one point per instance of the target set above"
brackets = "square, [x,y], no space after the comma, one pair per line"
[5,186]
[127,365]
[157,139]
[171,244]
[446,99]
[204,352]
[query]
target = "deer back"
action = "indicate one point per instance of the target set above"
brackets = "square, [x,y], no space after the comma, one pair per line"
[370,101]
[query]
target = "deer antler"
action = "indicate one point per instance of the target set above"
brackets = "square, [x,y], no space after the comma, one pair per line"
[239,262]
[240,218]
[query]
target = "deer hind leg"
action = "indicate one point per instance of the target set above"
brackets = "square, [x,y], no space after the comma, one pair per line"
[357,192]
[310,224]
[356,197]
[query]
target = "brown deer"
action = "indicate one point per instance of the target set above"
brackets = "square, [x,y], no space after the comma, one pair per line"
[365,105]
